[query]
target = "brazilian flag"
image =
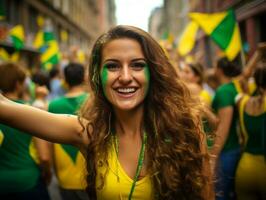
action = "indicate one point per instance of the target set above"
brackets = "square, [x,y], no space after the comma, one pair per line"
[222,27]
[17,36]
[46,42]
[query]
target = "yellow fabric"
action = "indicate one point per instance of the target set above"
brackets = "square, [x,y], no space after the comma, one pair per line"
[188,38]
[241,118]
[206,97]
[251,177]
[115,190]
[33,152]
[18,32]
[234,46]
[70,175]
[38,41]
[251,86]
[40,21]
[237,86]
[208,22]
[1,137]
[5,56]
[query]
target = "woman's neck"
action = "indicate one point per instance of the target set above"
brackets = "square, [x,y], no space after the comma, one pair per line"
[129,123]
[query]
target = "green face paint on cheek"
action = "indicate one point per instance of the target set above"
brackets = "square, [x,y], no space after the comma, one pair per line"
[147,75]
[104,77]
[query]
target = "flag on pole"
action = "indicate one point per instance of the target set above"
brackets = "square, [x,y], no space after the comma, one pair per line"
[188,38]
[17,36]
[48,46]
[223,29]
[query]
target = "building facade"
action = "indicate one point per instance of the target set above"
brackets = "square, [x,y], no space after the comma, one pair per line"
[74,22]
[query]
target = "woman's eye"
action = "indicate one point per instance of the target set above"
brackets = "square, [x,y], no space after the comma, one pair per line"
[111,66]
[138,65]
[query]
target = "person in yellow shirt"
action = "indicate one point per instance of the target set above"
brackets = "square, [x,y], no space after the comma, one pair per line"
[140,131]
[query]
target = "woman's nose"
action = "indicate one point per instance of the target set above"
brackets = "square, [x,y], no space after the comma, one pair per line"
[125,74]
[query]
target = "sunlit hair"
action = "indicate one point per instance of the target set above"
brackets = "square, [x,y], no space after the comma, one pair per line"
[171,119]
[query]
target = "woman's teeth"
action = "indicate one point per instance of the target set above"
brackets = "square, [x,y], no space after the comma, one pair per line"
[126,90]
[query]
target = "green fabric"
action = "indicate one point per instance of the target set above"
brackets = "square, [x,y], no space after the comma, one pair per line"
[223,33]
[2,10]
[18,171]
[48,36]
[68,105]
[225,97]
[255,133]
[17,42]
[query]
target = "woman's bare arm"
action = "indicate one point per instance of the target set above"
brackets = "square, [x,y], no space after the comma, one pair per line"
[52,127]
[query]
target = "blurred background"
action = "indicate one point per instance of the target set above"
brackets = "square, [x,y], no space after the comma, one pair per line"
[73,26]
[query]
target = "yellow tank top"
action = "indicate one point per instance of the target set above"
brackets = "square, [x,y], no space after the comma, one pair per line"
[119,189]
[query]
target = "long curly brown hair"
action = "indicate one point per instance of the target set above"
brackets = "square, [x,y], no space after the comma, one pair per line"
[171,118]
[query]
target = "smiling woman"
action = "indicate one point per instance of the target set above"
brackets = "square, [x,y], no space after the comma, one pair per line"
[140,130]
[124,74]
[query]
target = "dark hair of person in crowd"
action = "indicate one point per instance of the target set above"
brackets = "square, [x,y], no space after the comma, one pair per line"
[74,74]
[54,72]
[171,119]
[11,75]
[229,68]
[41,78]
[198,70]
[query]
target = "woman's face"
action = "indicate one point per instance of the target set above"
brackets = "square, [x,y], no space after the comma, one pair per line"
[125,74]
[188,74]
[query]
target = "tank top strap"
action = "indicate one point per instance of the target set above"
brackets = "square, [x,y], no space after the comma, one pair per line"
[237,85]
[244,133]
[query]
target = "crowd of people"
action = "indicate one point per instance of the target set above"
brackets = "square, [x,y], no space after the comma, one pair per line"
[140,128]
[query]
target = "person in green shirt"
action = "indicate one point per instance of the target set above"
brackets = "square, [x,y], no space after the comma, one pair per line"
[68,160]
[20,175]
[226,150]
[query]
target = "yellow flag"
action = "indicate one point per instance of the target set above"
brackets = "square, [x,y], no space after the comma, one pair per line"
[188,38]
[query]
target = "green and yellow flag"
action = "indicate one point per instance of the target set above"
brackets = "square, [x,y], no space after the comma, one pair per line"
[223,29]
[17,36]
[188,38]
[48,46]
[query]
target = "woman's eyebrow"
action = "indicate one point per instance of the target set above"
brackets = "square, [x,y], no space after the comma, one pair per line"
[139,59]
[110,60]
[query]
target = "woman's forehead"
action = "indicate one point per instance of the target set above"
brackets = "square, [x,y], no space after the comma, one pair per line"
[121,49]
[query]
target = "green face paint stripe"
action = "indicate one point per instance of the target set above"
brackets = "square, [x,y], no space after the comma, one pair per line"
[104,77]
[148,76]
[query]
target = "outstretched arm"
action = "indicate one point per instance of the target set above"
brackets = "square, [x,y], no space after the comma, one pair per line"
[52,127]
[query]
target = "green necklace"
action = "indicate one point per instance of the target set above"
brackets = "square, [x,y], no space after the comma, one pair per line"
[140,162]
